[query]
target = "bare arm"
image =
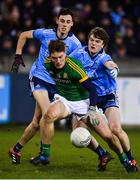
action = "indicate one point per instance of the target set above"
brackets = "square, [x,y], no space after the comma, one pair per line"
[22,40]
[110,65]
[112,68]
[18,60]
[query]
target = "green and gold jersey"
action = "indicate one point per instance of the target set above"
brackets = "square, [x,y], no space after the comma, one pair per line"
[68,79]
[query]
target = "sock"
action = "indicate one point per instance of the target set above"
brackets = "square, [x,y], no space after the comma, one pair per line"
[123,157]
[17,147]
[46,149]
[100,151]
[129,155]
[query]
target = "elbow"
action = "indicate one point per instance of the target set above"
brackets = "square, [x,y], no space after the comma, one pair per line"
[26,34]
[22,35]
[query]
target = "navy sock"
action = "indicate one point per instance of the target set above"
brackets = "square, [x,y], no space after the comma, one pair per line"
[129,155]
[17,147]
[100,151]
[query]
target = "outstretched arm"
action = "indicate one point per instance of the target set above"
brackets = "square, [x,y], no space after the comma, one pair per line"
[110,64]
[22,40]
[112,68]
[18,60]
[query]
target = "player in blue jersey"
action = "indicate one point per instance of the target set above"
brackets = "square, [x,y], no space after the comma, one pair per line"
[41,84]
[103,72]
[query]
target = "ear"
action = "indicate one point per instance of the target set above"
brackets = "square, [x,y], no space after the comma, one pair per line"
[56,20]
[72,23]
[103,45]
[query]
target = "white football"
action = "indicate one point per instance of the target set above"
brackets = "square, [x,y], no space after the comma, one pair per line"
[80,137]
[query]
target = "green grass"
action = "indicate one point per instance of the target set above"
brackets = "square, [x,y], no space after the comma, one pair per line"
[67,162]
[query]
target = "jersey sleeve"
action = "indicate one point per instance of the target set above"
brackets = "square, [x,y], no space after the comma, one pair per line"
[75,44]
[38,33]
[78,55]
[106,58]
[79,72]
[75,55]
[76,47]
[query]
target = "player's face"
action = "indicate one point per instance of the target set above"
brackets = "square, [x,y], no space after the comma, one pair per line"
[94,45]
[64,23]
[58,59]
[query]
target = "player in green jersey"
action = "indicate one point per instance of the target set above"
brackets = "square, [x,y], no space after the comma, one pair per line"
[76,94]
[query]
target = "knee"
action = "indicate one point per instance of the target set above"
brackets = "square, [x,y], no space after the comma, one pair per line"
[49,117]
[117,131]
[108,138]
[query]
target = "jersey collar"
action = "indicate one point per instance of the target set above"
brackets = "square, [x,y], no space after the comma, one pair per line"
[100,52]
[69,34]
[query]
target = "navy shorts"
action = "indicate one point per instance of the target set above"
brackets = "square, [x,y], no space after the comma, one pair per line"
[38,84]
[110,100]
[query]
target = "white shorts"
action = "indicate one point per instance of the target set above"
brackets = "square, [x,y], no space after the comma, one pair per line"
[78,107]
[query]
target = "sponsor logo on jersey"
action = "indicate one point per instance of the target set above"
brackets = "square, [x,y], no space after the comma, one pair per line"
[65,75]
[58,76]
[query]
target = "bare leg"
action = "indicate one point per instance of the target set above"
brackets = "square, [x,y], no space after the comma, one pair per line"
[55,112]
[114,120]
[42,103]
[104,156]
[32,128]
[103,130]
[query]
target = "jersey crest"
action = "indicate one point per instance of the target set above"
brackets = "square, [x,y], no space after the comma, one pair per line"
[65,76]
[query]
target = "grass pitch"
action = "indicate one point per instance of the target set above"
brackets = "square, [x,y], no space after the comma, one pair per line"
[67,162]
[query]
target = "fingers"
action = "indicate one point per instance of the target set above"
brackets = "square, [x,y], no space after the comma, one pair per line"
[114,73]
[17,61]
[15,68]
[23,64]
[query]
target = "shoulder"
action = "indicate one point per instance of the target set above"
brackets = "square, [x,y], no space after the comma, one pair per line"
[76,68]
[104,56]
[83,50]
[47,61]
[43,31]
[73,38]
[49,31]
[74,63]
[70,60]
[78,52]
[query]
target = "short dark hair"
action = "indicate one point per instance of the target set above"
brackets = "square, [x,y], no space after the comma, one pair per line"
[56,46]
[100,33]
[66,11]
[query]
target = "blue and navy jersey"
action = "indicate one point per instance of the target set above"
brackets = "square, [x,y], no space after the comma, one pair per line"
[96,70]
[45,36]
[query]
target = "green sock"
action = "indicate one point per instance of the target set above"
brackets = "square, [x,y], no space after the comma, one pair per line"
[46,149]
[122,157]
